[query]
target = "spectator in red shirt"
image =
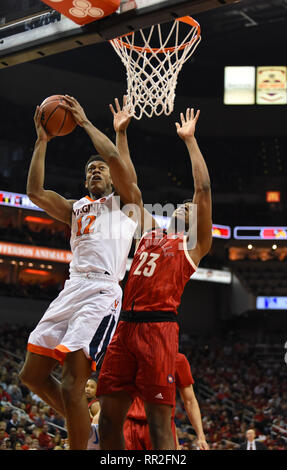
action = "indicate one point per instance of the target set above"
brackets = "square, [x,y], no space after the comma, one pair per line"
[3,434]
[45,440]
[27,442]
[33,413]
[4,396]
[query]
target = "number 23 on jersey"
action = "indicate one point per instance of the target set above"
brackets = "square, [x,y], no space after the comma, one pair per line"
[147,264]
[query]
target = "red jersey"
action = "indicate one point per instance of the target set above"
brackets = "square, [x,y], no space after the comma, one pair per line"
[90,403]
[183,375]
[183,378]
[159,272]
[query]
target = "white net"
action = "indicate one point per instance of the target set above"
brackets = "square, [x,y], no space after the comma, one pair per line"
[152,72]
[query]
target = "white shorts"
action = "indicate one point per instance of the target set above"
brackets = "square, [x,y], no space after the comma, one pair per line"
[83,316]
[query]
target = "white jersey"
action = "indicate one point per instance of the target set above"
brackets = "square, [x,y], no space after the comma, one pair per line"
[93,443]
[101,236]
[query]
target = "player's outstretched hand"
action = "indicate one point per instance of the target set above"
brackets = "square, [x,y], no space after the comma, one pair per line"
[121,115]
[202,444]
[186,129]
[41,133]
[76,109]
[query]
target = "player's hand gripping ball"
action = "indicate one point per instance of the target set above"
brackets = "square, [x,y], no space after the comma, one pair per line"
[56,120]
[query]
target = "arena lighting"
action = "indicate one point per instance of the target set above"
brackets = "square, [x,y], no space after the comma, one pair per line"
[239,85]
[35,252]
[274,247]
[22,201]
[17,200]
[271,303]
[221,231]
[260,233]
[273,196]
[218,231]
[271,85]
[38,220]
[38,272]
[249,247]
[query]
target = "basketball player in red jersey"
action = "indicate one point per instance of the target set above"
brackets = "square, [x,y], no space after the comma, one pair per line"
[136,431]
[93,401]
[78,325]
[94,410]
[146,339]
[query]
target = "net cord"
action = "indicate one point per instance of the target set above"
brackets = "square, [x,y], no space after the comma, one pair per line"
[152,73]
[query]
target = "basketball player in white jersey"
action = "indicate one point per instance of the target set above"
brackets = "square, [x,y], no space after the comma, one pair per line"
[79,323]
[94,442]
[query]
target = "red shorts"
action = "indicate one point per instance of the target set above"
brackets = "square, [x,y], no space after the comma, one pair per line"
[136,434]
[141,361]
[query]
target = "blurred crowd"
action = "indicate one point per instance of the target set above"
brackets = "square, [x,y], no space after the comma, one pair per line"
[26,422]
[235,390]
[41,237]
[33,290]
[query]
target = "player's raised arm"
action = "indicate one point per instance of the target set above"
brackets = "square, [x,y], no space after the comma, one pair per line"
[122,119]
[202,188]
[122,177]
[50,201]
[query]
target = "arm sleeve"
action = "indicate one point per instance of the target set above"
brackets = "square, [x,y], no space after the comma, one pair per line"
[183,375]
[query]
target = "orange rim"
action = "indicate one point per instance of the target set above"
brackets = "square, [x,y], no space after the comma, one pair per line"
[185,19]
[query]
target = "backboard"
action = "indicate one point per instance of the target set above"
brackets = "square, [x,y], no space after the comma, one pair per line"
[36,31]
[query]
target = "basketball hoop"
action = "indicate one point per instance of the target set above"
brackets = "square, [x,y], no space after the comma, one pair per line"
[152,72]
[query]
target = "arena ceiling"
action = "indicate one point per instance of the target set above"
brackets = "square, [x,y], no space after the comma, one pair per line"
[250,32]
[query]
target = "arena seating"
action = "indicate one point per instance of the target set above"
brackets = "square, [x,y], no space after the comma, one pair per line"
[238,389]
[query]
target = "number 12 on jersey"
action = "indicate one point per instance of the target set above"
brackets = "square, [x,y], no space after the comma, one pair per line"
[147,264]
[85,224]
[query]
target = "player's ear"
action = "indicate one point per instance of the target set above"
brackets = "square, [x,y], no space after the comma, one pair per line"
[86,184]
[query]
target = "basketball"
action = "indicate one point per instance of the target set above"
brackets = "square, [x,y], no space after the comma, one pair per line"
[57,121]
